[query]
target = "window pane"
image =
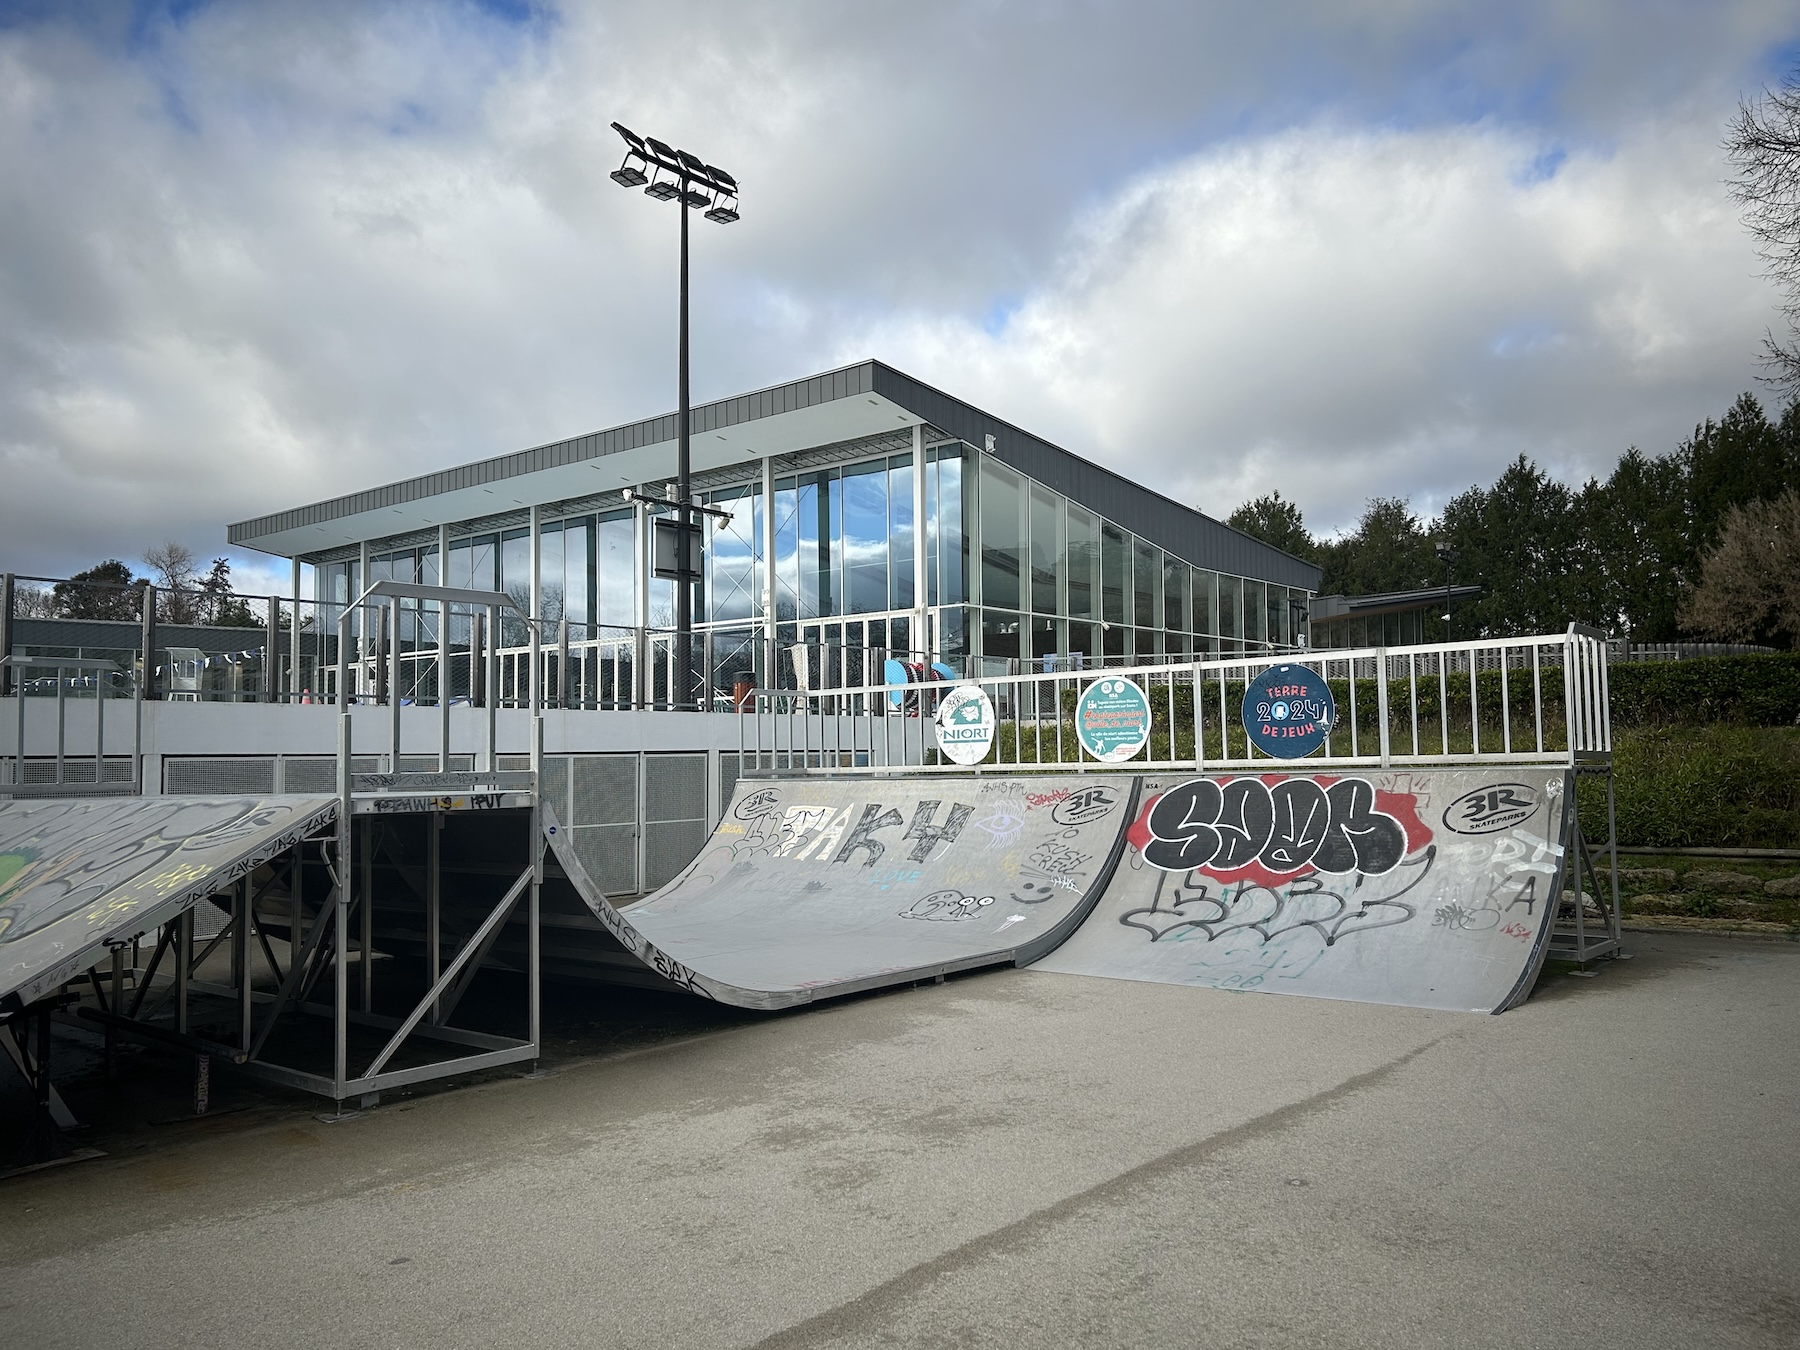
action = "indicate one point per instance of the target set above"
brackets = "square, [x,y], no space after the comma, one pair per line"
[550,574]
[865,541]
[1206,601]
[1229,609]
[1255,612]
[1002,535]
[1046,548]
[1082,566]
[900,534]
[817,514]
[1147,578]
[787,550]
[615,573]
[999,634]
[731,557]
[578,571]
[1115,563]
[1175,595]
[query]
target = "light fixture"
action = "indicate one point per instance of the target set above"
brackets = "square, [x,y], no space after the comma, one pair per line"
[668,174]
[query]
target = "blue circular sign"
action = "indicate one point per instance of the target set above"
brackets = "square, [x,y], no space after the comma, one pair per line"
[1288,712]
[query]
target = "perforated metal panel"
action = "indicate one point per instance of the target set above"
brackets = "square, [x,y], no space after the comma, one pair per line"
[512,762]
[674,815]
[674,787]
[609,853]
[669,846]
[728,776]
[207,775]
[605,790]
[318,773]
[555,785]
[429,763]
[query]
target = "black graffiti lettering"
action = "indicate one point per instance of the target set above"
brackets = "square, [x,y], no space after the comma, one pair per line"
[1360,838]
[1527,897]
[1181,825]
[862,835]
[1299,822]
[1246,820]
[928,835]
[1302,814]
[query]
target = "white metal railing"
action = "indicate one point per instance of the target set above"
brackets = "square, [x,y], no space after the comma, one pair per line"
[1527,700]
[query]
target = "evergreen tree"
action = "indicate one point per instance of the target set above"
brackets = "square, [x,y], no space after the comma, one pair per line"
[105,591]
[1275,520]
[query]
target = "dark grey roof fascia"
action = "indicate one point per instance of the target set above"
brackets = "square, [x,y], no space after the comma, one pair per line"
[845,382]
[1188,534]
[1328,607]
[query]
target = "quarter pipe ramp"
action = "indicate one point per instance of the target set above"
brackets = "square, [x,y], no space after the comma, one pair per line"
[78,874]
[819,887]
[1428,889]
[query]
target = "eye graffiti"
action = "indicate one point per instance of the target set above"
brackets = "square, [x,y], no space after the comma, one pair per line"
[1296,824]
[950,906]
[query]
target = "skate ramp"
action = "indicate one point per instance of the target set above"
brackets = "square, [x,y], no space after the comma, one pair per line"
[1430,889]
[77,874]
[818,887]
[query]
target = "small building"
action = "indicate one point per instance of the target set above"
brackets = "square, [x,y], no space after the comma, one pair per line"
[867,513]
[1398,619]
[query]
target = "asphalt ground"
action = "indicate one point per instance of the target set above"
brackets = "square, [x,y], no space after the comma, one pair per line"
[1014,1158]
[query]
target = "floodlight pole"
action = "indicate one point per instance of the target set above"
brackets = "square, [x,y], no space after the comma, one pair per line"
[684,584]
[645,156]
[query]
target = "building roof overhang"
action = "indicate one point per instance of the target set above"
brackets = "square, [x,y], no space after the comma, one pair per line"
[848,404]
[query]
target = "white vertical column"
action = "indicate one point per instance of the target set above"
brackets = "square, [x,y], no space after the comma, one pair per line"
[537,608]
[640,580]
[443,653]
[362,613]
[294,681]
[771,652]
[921,631]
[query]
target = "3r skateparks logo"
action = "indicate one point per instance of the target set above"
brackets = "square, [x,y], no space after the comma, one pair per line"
[1491,809]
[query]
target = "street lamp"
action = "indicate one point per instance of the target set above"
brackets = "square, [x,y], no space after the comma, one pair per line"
[668,174]
[1448,556]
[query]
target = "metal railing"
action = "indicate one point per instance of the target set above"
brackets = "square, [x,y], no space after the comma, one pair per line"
[72,681]
[1527,700]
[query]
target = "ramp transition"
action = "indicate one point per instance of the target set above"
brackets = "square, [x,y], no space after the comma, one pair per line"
[818,887]
[78,874]
[1428,889]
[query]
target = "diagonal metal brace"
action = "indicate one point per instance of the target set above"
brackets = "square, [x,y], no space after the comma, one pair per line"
[297,967]
[473,950]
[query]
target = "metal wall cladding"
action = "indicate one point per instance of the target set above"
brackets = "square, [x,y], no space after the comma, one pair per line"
[609,855]
[605,790]
[318,773]
[212,776]
[675,787]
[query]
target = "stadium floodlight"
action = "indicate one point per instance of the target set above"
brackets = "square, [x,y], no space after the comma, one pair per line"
[668,174]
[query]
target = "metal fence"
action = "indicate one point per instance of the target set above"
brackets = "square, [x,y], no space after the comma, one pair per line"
[1528,700]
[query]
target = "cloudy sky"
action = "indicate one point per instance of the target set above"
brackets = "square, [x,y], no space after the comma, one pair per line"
[256,254]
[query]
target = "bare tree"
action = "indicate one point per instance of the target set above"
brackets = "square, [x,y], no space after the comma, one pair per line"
[1750,584]
[173,564]
[1764,145]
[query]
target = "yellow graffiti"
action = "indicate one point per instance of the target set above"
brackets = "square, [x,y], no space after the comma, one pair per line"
[175,878]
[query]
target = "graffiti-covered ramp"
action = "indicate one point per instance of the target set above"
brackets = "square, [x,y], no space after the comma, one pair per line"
[818,887]
[1425,889]
[78,874]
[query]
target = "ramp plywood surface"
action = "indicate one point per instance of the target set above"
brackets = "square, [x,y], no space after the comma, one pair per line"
[1428,889]
[76,874]
[817,887]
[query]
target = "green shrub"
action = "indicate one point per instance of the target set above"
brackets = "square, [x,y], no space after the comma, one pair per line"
[1690,787]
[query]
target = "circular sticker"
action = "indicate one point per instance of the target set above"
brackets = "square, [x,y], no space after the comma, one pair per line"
[1288,712]
[1112,719]
[965,724]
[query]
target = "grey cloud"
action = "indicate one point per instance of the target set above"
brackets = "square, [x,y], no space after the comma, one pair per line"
[277,252]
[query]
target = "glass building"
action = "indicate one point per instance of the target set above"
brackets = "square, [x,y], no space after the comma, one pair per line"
[862,514]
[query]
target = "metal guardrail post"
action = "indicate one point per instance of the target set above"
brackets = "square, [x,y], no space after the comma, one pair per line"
[6,632]
[148,639]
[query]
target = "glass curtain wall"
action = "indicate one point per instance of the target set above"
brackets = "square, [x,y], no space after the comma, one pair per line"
[1013,571]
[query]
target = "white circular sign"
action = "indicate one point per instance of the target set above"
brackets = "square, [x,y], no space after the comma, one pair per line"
[965,724]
